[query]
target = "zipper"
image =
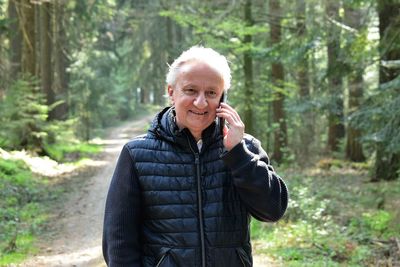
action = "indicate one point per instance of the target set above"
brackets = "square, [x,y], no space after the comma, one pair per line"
[199,202]
[162,259]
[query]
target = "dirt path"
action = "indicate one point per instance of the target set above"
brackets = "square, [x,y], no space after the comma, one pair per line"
[77,229]
[74,238]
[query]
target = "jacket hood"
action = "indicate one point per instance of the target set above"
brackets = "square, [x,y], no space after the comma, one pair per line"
[164,126]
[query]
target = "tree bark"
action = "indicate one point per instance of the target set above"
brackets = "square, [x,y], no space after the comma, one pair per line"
[169,40]
[387,164]
[355,80]
[162,52]
[306,130]
[45,54]
[277,73]
[28,58]
[15,38]
[144,95]
[354,150]
[248,72]
[335,89]
[61,62]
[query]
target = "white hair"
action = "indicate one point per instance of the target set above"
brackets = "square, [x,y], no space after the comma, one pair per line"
[208,56]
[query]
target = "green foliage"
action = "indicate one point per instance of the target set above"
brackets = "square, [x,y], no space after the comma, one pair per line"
[379,118]
[24,116]
[3,24]
[116,47]
[20,212]
[24,244]
[373,224]
[64,152]
[63,146]
[333,219]
[98,95]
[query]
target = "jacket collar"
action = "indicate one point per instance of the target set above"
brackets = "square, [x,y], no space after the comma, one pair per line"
[164,126]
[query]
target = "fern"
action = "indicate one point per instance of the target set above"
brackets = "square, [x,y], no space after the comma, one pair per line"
[24,116]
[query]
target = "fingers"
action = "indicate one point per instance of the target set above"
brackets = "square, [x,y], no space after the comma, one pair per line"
[229,114]
[233,134]
[225,130]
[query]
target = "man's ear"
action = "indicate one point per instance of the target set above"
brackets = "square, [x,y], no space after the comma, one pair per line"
[171,93]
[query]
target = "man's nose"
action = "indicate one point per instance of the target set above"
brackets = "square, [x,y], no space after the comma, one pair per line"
[200,101]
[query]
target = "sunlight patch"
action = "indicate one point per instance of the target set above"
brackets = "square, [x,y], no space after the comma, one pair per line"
[45,166]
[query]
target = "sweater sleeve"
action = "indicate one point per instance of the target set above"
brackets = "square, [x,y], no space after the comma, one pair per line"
[262,191]
[121,238]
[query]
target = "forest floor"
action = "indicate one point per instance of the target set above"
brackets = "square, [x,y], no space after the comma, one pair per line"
[73,234]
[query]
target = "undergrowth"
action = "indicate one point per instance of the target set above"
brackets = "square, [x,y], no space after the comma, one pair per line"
[26,199]
[21,213]
[335,218]
[71,152]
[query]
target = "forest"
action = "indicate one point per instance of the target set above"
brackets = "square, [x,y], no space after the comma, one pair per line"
[317,81]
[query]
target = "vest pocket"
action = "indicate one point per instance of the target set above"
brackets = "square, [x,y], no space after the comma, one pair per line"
[172,257]
[230,257]
[162,256]
[244,258]
[161,260]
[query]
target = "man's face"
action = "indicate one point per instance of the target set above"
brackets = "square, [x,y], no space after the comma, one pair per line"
[195,95]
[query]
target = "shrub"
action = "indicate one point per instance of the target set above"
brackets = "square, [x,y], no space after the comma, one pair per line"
[24,115]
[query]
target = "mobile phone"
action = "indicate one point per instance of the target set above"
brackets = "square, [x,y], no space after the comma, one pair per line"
[221,121]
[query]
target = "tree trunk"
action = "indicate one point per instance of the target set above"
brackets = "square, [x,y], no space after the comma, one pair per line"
[354,150]
[162,53]
[179,35]
[144,95]
[335,111]
[387,164]
[45,54]
[28,58]
[15,38]
[29,66]
[169,40]
[279,117]
[248,73]
[60,48]
[306,130]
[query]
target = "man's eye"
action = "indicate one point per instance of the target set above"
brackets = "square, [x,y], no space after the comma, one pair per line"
[212,94]
[189,91]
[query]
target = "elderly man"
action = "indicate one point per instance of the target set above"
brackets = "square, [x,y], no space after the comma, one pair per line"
[182,194]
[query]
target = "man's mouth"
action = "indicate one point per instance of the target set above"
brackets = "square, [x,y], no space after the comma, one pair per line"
[198,113]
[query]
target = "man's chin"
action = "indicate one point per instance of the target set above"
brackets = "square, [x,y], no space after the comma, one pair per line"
[199,127]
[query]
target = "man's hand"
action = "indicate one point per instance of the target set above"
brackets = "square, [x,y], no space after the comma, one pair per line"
[233,134]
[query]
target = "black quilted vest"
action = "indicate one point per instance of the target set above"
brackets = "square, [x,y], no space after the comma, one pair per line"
[192,213]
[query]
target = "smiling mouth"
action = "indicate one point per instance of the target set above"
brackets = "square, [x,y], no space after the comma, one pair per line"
[199,113]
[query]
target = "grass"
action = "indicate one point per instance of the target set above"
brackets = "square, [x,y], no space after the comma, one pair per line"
[335,218]
[20,210]
[72,151]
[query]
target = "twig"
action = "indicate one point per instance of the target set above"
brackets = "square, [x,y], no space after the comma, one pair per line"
[341,25]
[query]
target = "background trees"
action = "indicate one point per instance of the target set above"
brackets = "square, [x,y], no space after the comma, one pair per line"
[387,160]
[318,82]
[310,78]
